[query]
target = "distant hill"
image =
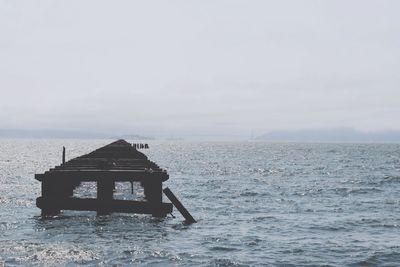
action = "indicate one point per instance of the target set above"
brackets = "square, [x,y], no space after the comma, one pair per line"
[133,136]
[331,135]
[18,133]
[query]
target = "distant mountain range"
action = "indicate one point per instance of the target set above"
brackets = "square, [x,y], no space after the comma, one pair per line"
[16,133]
[133,137]
[331,135]
[345,135]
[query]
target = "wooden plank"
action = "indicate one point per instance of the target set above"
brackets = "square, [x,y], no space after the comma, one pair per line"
[126,206]
[96,175]
[83,158]
[96,160]
[179,206]
[111,169]
[123,164]
[107,164]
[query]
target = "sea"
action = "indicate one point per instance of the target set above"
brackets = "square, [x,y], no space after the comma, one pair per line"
[256,204]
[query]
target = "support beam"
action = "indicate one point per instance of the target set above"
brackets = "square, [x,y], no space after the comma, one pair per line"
[153,191]
[153,194]
[54,189]
[96,175]
[179,206]
[105,191]
[126,206]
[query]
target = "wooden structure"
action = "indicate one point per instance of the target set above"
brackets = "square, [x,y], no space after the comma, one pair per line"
[117,162]
[188,217]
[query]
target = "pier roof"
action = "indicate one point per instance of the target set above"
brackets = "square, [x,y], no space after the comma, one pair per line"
[118,161]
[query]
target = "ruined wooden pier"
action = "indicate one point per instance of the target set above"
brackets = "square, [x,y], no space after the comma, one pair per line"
[117,162]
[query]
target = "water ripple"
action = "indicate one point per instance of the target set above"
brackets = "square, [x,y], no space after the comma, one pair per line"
[256,204]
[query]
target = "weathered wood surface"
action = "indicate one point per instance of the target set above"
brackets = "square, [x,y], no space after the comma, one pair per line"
[119,161]
[116,162]
[125,206]
[185,213]
[98,175]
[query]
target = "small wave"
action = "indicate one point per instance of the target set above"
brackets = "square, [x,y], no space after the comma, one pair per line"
[4,226]
[224,262]
[377,223]
[386,225]
[380,259]
[391,179]
[263,218]
[248,194]
[293,251]
[221,248]
[330,228]
[254,242]
[364,190]
[392,201]
[17,201]
[380,181]
[163,254]
[264,172]
[345,191]
[58,254]
[136,250]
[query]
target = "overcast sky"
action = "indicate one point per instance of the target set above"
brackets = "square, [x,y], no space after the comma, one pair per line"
[199,67]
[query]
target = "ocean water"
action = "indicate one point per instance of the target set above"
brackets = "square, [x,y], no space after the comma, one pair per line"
[257,204]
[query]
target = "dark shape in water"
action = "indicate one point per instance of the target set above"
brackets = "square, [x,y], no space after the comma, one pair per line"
[116,162]
[179,206]
[140,146]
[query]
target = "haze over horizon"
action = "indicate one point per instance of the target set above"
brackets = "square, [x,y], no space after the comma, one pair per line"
[179,68]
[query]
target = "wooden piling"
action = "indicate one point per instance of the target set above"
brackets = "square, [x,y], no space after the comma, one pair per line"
[63,155]
[153,194]
[50,195]
[179,206]
[104,195]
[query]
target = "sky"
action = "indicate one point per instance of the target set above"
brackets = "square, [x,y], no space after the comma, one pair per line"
[181,68]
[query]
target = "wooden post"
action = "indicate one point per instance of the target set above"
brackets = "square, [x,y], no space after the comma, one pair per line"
[153,191]
[179,206]
[50,195]
[153,194]
[63,155]
[104,195]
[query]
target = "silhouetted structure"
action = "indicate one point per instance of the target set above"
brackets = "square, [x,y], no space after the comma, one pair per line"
[116,162]
[179,206]
[141,146]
